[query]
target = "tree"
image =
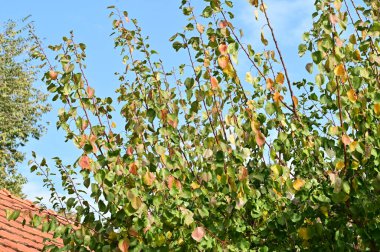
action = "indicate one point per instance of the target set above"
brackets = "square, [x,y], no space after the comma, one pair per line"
[210,160]
[21,104]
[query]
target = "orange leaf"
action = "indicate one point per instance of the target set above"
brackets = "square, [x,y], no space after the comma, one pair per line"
[243,173]
[334,19]
[214,83]
[277,97]
[90,92]
[129,151]
[295,101]
[84,124]
[53,74]
[298,184]
[346,140]
[352,96]
[200,28]
[133,168]
[173,122]
[171,180]
[339,70]
[223,49]
[376,108]
[280,78]
[84,162]
[223,61]
[260,139]
[270,83]
[198,234]
[223,24]
[92,140]
[164,113]
[123,245]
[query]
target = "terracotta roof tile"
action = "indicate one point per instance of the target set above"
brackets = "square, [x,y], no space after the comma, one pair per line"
[16,237]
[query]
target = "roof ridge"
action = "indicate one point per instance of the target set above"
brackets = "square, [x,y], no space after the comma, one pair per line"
[38,208]
[20,234]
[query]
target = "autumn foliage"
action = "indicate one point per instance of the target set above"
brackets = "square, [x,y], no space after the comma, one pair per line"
[212,158]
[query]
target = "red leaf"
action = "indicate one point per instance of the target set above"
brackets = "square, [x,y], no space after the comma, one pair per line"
[129,151]
[133,168]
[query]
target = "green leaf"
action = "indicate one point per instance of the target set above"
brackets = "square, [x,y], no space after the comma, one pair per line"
[317,57]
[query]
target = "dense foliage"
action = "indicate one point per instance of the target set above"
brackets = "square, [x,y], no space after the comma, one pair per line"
[21,104]
[211,160]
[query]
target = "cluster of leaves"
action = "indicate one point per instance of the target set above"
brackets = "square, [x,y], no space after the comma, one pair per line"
[21,104]
[207,160]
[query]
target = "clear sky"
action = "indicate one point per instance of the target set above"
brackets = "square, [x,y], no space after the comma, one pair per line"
[159,19]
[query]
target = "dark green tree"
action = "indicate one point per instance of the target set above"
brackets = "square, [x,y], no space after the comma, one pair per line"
[21,104]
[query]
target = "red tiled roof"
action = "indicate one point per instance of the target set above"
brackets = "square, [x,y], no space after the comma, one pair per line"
[14,236]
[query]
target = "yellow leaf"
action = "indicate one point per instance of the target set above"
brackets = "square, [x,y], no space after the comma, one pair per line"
[298,184]
[229,70]
[352,96]
[357,55]
[339,165]
[255,126]
[337,4]
[206,62]
[339,70]
[136,203]
[277,97]
[295,101]
[353,146]
[280,78]
[113,125]
[334,130]
[325,211]
[304,233]
[194,185]
[376,108]
[149,178]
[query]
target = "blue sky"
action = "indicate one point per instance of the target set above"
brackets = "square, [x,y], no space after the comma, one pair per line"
[159,19]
